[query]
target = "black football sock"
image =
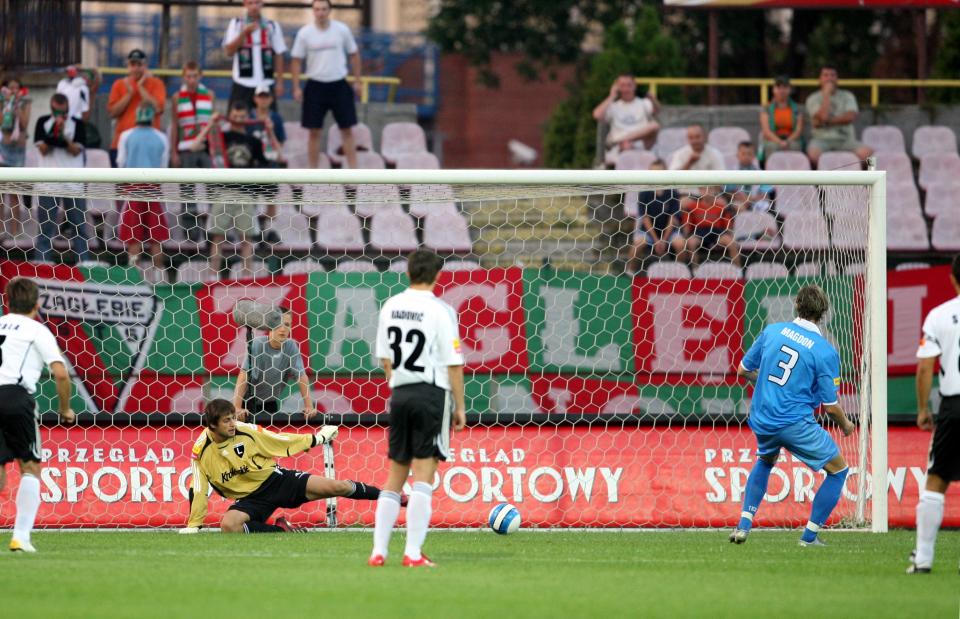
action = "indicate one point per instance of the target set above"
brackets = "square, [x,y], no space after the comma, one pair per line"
[261,527]
[363,492]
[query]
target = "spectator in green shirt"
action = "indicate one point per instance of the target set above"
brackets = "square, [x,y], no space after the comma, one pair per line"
[832,113]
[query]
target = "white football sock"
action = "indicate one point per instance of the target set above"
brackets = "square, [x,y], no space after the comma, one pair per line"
[388,508]
[28,502]
[929,517]
[419,510]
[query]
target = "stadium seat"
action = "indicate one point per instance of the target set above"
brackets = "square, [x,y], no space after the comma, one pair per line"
[97,158]
[401,138]
[297,267]
[814,269]
[839,160]
[418,161]
[371,198]
[941,197]
[668,141]
[300,161]
[398,266]
[317,197]
[361,135]
[855,268]
[756,231]
[930,139]
[726,139]
[938,168]
[297,137]
[427,193]
[668,270]
[717,270]
[796,199]
[259,270]
[842,200]
[193,272]
[945,235]
[355,266]
[461,265]
[906,228]
[897,165]
[447,231]
[902,196]
[805,231]
[849,231]
[788,160]
[370,161]
[32,156]
[635,160]
[767,270]
[910,266]
[339,230]
[293,228]
[392,230]
[630,206]
[884,139]
[422,209]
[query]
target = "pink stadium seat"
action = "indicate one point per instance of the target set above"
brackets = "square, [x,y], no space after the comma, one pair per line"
[355,266]
[788,160]
[362,136]
[839,160]
[300,161]
[444,230]
[97,158]
[929,139]
[897,165]
[318,197]
[756,231]
[805,231]
[938,168]
[841,200]
[32,156]
[371,198]
[293,228]
[369,161]
[418,161]
[855,268]
[767,270]
[635,160]
[814,269]
[906,228]
[422,209]
[297,138]
[339,230]
[726,139]
[630,206]
[398,266]
[461,265]
[302,266]
[669,140]
[884,139]
[902,196]
[668,270]
[427,193]
[796,198]
[717,270]
[401,138]
[258,270]
[194,271]
[392,230]
[946,232]
[849,231]
[941,197]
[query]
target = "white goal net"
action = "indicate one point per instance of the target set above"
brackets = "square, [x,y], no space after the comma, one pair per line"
[602,316]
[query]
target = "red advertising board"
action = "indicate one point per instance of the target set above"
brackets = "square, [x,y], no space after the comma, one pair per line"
[911,294]
[565,477]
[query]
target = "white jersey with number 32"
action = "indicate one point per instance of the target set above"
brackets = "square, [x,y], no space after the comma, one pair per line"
[25,347]
[941,338]
[419,334]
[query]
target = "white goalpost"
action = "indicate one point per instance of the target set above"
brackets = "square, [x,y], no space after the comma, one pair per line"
[601,389]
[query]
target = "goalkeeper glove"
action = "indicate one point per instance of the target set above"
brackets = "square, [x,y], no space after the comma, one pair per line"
[326,434]
[189,530]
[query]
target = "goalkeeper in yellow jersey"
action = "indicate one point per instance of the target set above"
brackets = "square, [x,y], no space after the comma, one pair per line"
[240,461]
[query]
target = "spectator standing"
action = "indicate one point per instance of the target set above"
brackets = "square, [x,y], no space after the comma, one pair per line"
[631,119]
[267,126]
[144,221]
[59,138]
[326,44]
[832,113]
[126,95]
[256,45]
[658,227]
[15,104]
[77,91]
[697,154]
[707,221]
[781,122]
[192,112]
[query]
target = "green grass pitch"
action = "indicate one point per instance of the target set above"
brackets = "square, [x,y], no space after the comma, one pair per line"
[528,574]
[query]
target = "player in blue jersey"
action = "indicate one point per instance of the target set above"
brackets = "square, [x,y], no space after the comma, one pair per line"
[795,370]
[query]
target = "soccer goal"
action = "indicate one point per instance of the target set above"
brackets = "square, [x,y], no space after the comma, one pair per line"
[600,356]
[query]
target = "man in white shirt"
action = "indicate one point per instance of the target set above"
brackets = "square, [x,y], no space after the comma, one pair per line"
[941,334]
[697,154]
[326,44]
[418,344]
[631,118]
[75,87]
[257,47]
[26,346]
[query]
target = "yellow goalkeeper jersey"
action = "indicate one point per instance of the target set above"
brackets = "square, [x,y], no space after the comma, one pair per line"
[238,466]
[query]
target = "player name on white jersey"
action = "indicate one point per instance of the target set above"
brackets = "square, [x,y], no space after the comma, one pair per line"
[941,338]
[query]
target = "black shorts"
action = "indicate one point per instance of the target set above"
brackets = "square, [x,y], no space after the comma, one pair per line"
[322,97]
[419,423]
[945,446]
[19,425]
[282,489]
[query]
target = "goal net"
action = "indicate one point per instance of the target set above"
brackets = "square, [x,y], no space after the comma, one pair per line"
[602,316]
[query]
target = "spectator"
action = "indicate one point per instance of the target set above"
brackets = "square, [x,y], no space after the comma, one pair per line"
[59,138]
[631,118]
[144,221]
[832,112]
[781,122]
[749,197]
[659,224]
[126,95]
[326,44]
[77,91]
[191,111]
[257,47]
[707,221]
[242,151]
[697,154]
[267,126]
[15,104]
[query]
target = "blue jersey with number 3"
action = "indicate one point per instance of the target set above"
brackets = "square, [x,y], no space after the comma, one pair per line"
[797,371]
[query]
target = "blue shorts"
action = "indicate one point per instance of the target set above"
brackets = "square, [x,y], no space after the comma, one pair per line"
[805,439]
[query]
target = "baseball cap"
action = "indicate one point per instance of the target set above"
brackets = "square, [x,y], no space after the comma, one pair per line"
[137,54]
[262,89]
[145,114]
[782,80]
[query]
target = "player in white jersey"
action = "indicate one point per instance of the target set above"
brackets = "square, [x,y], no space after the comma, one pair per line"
[940,340]
[26,346]
[418,344]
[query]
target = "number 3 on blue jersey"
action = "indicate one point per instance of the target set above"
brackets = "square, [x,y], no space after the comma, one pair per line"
[785,365]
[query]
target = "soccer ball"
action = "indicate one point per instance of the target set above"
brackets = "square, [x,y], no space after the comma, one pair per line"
[504,518]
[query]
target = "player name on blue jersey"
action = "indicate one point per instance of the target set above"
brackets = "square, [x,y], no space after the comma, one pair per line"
[795,337]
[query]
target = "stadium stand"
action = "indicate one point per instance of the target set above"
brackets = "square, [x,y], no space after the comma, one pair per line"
[372,198]
[941,197]
[788,160]
[795,199]
[339,230]
[929,139]
[635,160]
[668,270]
[884,139]
[717,270]
[838,160]
[362,136]
[945,235]
[370,161]
[805,231]
[392,230]
[418,161]
[813,269]
[296,267]
[756,231]
[355,266]
[446,231]
[766,270]
[668,141]
[401,138]
[726,139]
[938,168]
